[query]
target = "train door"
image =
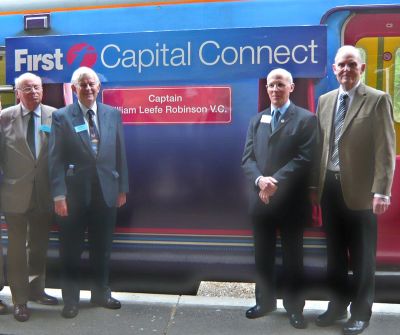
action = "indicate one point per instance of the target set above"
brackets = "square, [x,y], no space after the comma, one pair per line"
[378,37]
[7,97]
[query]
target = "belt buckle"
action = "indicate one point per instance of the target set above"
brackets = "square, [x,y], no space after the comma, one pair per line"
[337,176]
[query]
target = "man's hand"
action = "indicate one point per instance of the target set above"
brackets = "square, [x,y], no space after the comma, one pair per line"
[121,200]
[264,196]
[380,205]
[60,207]
[268,184]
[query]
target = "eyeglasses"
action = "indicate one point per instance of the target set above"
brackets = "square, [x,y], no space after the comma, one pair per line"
[278,86]
[29,89]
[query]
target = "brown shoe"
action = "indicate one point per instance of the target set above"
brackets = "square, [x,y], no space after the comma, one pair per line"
[3,308]
[21,312]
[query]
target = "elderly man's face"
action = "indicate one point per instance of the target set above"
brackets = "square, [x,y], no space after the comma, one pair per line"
[348,69]
[30,93]
[279,89]
[87,90]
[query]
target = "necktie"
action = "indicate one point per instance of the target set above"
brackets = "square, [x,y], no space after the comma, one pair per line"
[339,121]
[30,133]
[93,132]
[277,115]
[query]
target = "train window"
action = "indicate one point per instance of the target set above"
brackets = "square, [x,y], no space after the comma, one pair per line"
[364,59]
[7,96]
[396,95]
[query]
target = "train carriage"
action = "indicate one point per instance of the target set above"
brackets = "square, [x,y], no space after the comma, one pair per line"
[187,77]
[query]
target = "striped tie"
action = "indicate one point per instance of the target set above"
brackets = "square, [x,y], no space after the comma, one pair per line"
[339,121]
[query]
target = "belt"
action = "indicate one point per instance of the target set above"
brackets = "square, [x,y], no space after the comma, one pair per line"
[334,174]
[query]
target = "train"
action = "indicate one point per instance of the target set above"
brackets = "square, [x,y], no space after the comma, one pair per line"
[187,76]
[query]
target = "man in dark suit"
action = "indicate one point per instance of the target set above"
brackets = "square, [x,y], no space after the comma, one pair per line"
[354,178]
[25,193]
[277,159]
[89,180]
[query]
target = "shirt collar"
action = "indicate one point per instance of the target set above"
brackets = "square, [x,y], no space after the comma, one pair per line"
[84,109]
[351,92]
[282,109]
[25,111]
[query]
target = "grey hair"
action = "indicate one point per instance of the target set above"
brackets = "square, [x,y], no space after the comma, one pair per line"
[348,49]
[283,73]
[82,72]
[26,76]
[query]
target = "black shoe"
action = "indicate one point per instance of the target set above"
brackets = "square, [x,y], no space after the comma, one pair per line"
[297,320]
[330,317]
[353,327]
[109,302]
[3,308]
[43,298]
[258,311]
[21,312]
[70,311]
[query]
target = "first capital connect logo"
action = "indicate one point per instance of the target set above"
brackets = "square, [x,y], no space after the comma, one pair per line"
[81,54]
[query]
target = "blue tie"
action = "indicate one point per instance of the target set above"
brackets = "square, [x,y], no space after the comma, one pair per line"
[275,122]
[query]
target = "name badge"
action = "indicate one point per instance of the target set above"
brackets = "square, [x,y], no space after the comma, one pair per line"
[80,128]
[45,128]
[266,119]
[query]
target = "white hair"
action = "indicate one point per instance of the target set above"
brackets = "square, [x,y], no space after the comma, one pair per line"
[26,76]
[348,49]
[82,72]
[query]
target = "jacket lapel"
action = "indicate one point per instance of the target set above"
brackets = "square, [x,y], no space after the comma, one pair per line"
[264,129]
[19,132]
[356,104]
[284,120]
[45,121]
[77,121]
[103,124]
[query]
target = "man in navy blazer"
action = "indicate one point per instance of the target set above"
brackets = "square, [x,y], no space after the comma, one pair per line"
[89,180]
[277,161]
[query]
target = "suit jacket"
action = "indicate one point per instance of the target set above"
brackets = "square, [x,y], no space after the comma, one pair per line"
[72,161]
[20,169]
[285,154]
[366,146]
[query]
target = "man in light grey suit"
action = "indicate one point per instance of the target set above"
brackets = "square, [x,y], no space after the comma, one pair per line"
[354,178]
[89,180]
[25,193]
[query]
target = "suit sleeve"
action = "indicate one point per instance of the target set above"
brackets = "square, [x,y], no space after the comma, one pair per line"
[304,158]
[384,146]
[122,166]
[249,163]
[56,161]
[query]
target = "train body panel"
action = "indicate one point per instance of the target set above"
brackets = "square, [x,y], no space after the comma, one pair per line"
[186,214]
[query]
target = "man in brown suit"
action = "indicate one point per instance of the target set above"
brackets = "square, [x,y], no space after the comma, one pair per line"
[24,193]
[357,157]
